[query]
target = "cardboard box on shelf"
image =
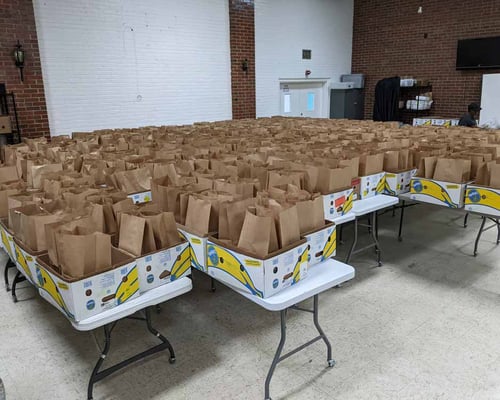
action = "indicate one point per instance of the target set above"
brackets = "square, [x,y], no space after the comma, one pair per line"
[84,298]
[262,277]
[322,243]
[338,204]
[397,183]
[447,194]
[25,261]
[372,185]
[164,266]
[435,121]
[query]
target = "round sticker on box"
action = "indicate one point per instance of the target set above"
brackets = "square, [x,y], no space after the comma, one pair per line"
[90,304]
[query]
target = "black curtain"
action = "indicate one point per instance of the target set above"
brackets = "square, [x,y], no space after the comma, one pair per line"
[386,107]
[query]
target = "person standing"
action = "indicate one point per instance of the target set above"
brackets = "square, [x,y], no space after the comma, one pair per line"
[469,119]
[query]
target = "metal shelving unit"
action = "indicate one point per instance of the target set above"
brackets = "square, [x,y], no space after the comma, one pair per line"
[8,107]
[409,93]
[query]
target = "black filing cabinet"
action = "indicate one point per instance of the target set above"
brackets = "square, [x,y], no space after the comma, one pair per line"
[347,103]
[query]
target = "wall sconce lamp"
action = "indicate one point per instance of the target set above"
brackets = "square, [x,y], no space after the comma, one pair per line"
[244,65]
[19,58]
[307,73]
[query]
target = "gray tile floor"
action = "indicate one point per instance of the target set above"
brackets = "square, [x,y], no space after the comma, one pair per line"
[424,326]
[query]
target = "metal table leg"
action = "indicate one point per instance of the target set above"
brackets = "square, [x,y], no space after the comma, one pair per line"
[17,279]
[98,375]
[8,265]
[212,285]
[481,229]
[401,218]
[354,242]
[278,357]
[498,230]
[375,238]
[466,219]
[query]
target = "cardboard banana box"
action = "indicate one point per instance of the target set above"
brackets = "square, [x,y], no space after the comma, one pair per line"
[197,248]
[7,239]
[338,204]
[483,200]
[142,197]
[164,266]
[262,277]
[372,185]
[446,194]
[396,183]
[26,261]
[322,243]
[84,298]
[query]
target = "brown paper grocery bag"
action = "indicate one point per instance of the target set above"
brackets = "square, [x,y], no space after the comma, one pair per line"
[288,227]
[495,176]
[198,215]
[131,234]
[8,174]
[256,234]
[311,215]
[235,217]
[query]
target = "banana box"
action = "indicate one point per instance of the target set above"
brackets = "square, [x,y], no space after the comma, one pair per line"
[397,183]
[197,248]
[483,200]
[164,266]
[142,197]
[441,193]
[84,298]
[322,243]
[262,277]
[338,204]
[372,185]
[26,261]
[7,239]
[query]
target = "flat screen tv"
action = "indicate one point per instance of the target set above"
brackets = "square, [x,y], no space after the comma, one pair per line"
[478,53]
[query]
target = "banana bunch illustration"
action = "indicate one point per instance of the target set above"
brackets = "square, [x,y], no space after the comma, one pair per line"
[296,270]
[483,196]
[21,260]
[348,203]
[432,189]
[381,185]
[194,260]
[47,284]
[182,264]
[128,286]
[5,242]
[222,259]
[330,246]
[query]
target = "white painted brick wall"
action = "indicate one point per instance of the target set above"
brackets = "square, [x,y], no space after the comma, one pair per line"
[128,63]
[283,28]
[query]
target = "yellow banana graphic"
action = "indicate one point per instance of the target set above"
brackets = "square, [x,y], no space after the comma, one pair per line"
[222,259]
[181,265]
[348,204]
[296,270]
[484,197]
[47,284]
[330,246]
[194,259]
[432,189]
[381,185]
[128,286]
[21,260]
[6,243]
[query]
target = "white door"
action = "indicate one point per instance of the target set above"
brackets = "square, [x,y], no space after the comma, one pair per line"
[301,99]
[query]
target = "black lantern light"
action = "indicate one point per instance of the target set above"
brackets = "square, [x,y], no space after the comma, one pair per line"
[19,58]
[244,65]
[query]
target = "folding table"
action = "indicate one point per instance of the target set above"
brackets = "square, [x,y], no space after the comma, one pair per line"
[109,318]
[406,197]
[369,206]
[321,277]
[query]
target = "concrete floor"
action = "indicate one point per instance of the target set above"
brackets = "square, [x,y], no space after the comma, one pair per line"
[424,326]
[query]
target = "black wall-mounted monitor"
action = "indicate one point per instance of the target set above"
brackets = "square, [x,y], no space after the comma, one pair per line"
[478,53]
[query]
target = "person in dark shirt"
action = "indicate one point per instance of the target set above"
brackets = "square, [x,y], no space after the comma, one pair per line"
[469,119]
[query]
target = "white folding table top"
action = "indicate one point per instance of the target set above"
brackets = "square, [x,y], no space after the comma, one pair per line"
[372,204]
[321,277]
[150,298]
[350,216]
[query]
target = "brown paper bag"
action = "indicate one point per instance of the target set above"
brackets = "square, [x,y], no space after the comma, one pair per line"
[256,235]
[131,234]
[198,215]
[288,227]
[311,215]
[495,176]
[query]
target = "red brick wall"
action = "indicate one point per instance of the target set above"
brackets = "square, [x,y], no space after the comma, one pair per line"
[242,38]
[388,40]
[17,22]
